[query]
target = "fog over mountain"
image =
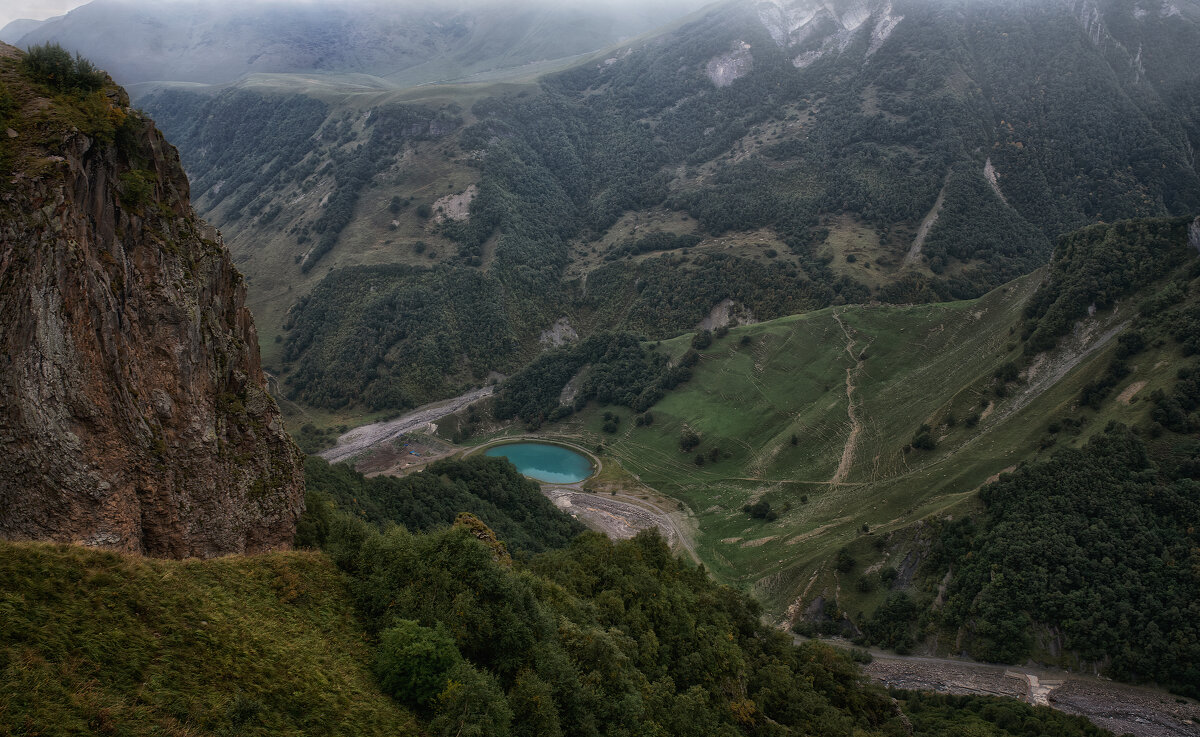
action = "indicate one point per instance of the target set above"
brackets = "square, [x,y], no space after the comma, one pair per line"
[405,43]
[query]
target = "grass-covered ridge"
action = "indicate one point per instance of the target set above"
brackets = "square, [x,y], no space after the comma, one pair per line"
[770,409]
[99,643]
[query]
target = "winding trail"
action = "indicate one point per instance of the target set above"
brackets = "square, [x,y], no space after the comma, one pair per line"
[847,460]
[926,225]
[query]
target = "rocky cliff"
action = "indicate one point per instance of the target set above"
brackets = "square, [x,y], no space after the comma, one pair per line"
[133,413]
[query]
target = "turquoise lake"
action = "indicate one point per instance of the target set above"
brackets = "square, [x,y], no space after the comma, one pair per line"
[552,464]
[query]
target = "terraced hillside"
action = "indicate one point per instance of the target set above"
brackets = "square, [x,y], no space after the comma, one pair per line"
[852,385]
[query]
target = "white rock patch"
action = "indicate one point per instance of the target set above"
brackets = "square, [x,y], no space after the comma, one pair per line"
[723,69]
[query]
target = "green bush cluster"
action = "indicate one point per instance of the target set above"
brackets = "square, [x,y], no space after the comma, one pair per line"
[52,65]
[599,638]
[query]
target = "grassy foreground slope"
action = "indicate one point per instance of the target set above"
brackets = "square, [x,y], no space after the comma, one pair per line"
[99,643]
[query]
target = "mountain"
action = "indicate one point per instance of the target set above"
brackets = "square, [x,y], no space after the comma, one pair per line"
[825,280]
[405,43]
[784,156]
[12,33]
[133,411]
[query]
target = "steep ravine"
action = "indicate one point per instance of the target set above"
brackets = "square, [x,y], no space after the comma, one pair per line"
[133,414]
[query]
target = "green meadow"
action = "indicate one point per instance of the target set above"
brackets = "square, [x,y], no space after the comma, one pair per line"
[850,479]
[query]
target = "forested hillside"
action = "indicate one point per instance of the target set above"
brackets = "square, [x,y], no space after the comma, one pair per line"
[1103,537]
[922,151]
[1100,546]
[491,489]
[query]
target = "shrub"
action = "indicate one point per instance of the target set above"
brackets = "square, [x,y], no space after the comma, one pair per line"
[413,662]
[688,440]
[137,188]
[761,509]
[473,704]
[53,65]
[7,104]
[924,440]
[861,655]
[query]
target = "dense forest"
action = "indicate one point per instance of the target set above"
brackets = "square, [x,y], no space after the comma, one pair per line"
[1094,267]
[391,337]
[1100,545]
[489,488]
[607,638]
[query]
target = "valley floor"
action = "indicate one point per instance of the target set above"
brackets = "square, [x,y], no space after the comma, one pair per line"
[367,437]
[1119,707]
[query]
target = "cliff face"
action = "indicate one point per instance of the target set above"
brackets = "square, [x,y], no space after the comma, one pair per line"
[133,413]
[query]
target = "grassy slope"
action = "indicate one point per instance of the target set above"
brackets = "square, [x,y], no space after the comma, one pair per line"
[922,364]
[98,643]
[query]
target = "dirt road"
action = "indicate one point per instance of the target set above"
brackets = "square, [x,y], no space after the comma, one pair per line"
[926,225]
[363,438]
[847,460]
[1119,707]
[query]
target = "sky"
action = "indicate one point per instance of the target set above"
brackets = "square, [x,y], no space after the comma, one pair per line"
[10,10]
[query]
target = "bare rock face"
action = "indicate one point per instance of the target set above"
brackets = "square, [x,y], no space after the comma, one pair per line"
[133,413]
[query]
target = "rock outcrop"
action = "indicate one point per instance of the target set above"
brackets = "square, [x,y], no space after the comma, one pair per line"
[133,414]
